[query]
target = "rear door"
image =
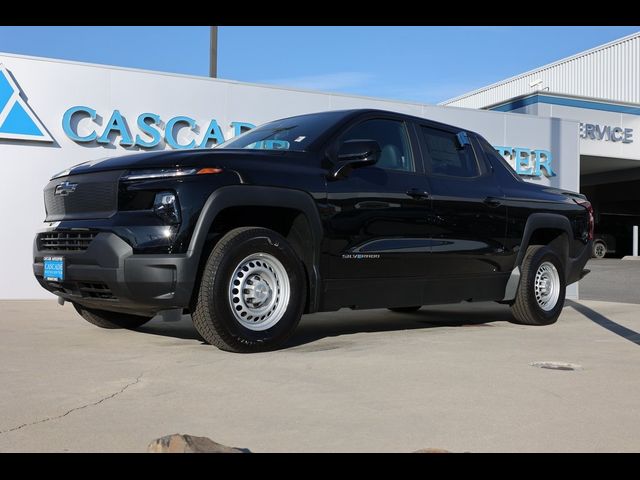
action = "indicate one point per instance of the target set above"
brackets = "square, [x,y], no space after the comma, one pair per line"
[468,217]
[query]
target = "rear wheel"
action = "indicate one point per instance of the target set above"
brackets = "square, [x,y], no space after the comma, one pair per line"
[599,249]
[540,296]
[252,292]
[110,320]
[405,309]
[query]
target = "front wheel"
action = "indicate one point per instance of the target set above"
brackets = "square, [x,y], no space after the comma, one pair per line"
[252,293]
[110,320]
[540,296]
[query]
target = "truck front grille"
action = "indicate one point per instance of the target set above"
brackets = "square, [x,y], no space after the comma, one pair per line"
[65,240]
[80,197]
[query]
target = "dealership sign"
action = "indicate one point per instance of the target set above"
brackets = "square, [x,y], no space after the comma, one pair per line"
[152,128]
[608,133]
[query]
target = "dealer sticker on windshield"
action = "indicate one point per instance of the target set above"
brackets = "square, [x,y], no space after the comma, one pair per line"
[53,269]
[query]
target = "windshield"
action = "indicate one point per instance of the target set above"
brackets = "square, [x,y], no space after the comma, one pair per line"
[295,133]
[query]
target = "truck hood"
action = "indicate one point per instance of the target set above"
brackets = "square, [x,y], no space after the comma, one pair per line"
[167,159]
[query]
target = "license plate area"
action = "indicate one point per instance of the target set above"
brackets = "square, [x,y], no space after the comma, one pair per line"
[53,269]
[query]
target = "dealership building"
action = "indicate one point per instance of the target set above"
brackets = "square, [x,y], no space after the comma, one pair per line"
[578,130]
[600,89]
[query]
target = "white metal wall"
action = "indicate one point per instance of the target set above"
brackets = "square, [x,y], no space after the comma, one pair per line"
[610,72]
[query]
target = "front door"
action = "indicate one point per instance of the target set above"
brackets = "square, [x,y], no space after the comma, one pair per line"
[377,230]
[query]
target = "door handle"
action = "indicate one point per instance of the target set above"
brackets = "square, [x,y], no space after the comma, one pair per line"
[492,202]
[418,194]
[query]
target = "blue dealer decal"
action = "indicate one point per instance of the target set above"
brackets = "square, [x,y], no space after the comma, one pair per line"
[17,120]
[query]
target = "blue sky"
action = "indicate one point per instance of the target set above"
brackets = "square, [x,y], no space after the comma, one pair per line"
[424,64]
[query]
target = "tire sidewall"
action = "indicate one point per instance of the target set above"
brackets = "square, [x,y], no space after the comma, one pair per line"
[595,246]
[541,256]
[277,246]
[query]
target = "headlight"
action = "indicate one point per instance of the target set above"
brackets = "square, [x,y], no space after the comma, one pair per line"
[167,208]
[167,173]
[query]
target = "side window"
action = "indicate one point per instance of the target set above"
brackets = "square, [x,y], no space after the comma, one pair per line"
[391,135]
[491,153]
[447,157]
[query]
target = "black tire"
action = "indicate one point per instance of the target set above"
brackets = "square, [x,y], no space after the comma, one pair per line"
[213,316]
[599,249]
[526,310]
[405,309]
[110,320]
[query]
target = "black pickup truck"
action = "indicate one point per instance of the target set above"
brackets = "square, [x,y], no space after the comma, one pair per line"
[358,208]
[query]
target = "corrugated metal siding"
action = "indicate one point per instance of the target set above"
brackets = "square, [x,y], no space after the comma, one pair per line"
[610,72]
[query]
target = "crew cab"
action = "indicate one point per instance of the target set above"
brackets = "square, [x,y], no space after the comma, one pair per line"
[358,208]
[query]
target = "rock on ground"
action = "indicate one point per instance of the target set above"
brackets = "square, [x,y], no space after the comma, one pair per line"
[178,443]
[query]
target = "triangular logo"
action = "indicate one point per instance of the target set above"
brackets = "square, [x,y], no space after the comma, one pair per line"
[17,120]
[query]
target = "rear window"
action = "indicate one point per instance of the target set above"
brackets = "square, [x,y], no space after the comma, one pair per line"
[493,155]
[447,156]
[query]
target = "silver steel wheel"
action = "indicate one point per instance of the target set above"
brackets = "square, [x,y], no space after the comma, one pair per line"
[547,286]
[259,291]
[600,250]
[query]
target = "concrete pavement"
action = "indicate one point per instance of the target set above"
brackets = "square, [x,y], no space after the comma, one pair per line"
[454,377]
[612,280]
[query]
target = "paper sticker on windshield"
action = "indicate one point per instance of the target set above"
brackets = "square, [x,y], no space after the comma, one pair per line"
[300,138]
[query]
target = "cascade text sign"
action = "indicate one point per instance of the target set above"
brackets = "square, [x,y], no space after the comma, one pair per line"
[153,130]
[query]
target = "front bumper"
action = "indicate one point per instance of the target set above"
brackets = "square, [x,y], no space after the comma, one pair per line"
[109,276]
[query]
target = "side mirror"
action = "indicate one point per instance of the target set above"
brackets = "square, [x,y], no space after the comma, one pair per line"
[354,154]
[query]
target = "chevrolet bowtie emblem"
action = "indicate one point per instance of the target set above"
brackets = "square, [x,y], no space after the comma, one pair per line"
[65,188]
